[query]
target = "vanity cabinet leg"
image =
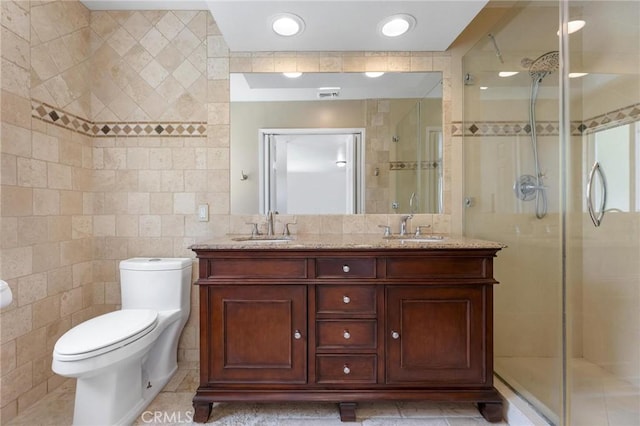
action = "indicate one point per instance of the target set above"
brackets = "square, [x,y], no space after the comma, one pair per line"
[347,411]
[491,411]
[201,411]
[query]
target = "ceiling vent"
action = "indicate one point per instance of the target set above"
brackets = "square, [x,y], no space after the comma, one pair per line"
[328,93]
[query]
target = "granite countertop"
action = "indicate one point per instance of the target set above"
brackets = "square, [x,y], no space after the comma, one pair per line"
[344,241]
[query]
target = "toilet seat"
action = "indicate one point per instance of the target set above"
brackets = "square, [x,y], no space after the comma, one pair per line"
[105,333]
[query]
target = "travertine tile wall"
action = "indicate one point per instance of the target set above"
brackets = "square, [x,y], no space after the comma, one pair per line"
[115,126]
[46,236]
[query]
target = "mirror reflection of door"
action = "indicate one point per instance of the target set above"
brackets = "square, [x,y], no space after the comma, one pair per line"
[311,171]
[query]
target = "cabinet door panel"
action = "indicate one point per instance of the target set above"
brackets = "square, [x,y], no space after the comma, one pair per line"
[435,335]
[258,334]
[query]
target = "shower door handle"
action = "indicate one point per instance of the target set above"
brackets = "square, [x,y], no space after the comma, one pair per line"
[596,218]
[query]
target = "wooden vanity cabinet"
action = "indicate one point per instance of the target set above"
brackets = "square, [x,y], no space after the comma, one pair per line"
[346,326]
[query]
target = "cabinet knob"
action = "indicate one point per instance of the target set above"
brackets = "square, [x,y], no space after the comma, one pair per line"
[395,335]
[346,268]
[346,369]
[297,335]
[346,299]
[346,334]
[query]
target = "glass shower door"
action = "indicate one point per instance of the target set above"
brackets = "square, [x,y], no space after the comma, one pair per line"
[603,199]
[503,147]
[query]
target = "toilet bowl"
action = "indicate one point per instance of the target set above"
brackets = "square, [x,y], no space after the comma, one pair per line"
[122,359]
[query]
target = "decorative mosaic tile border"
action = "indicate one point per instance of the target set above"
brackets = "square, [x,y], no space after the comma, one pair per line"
[413,165]
[610,119]
[59,117]
[619,117]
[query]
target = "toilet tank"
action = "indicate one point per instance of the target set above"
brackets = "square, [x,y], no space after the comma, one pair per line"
[156,283]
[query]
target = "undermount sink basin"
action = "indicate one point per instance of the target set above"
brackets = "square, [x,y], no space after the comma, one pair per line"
[414,239]
[264,239]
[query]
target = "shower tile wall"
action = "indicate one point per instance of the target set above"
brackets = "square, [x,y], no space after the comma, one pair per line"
[497,150]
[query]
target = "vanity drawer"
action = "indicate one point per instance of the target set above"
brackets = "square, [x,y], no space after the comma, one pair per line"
[346,299]
[328,267]
[346,334]
[256,268]
[346,368]
[439,267]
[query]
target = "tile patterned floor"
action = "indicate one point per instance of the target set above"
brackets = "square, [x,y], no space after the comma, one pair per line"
[172,406]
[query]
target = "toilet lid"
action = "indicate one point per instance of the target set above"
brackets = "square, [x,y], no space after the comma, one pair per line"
[107,332]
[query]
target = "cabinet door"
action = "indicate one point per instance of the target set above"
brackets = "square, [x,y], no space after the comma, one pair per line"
[436,335]
[257,334]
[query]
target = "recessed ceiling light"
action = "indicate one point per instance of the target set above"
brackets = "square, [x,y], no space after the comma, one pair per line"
[292,74]
[483,87]
[373,74]
[396,25]
[577,74]
[287,24]
[507,73]
[573,26]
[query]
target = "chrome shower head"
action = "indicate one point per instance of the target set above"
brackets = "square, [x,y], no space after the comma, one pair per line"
[543,65]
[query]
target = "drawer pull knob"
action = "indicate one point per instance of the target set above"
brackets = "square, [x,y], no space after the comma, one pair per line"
[346,335]
[346,300]
[346,369]
[297,335]
[346,268]
[395,335]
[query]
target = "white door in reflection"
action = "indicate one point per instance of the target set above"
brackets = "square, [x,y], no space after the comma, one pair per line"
[311,171]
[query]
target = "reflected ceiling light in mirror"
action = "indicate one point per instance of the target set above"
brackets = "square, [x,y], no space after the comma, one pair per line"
[374,74]
[507,73]
[573,26]
[396,25]
[483,87]
[287,24]
[577,74]
[292,74]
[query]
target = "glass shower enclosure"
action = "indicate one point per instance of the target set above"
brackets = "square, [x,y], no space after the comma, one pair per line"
[416,174]
[551,139]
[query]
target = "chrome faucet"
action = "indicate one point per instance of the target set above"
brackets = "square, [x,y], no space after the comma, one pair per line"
[403,224]
[270,223]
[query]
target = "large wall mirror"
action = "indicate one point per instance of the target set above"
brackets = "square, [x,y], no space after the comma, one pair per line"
[399,163]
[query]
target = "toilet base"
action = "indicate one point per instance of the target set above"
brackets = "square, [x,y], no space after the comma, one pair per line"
[115,398]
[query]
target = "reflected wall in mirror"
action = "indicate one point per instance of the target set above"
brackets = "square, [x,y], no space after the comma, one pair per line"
[349,101]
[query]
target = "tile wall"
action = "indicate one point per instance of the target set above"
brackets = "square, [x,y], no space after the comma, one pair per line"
[115,126]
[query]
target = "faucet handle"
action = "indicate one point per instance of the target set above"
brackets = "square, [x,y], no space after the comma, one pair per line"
[285,229]
[387,230]
[254,228]
[419,229]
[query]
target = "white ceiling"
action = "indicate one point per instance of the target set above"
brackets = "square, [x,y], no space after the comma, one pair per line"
[331,25]
[343,25]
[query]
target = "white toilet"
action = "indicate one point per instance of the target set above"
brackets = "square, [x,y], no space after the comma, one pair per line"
[124,358]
